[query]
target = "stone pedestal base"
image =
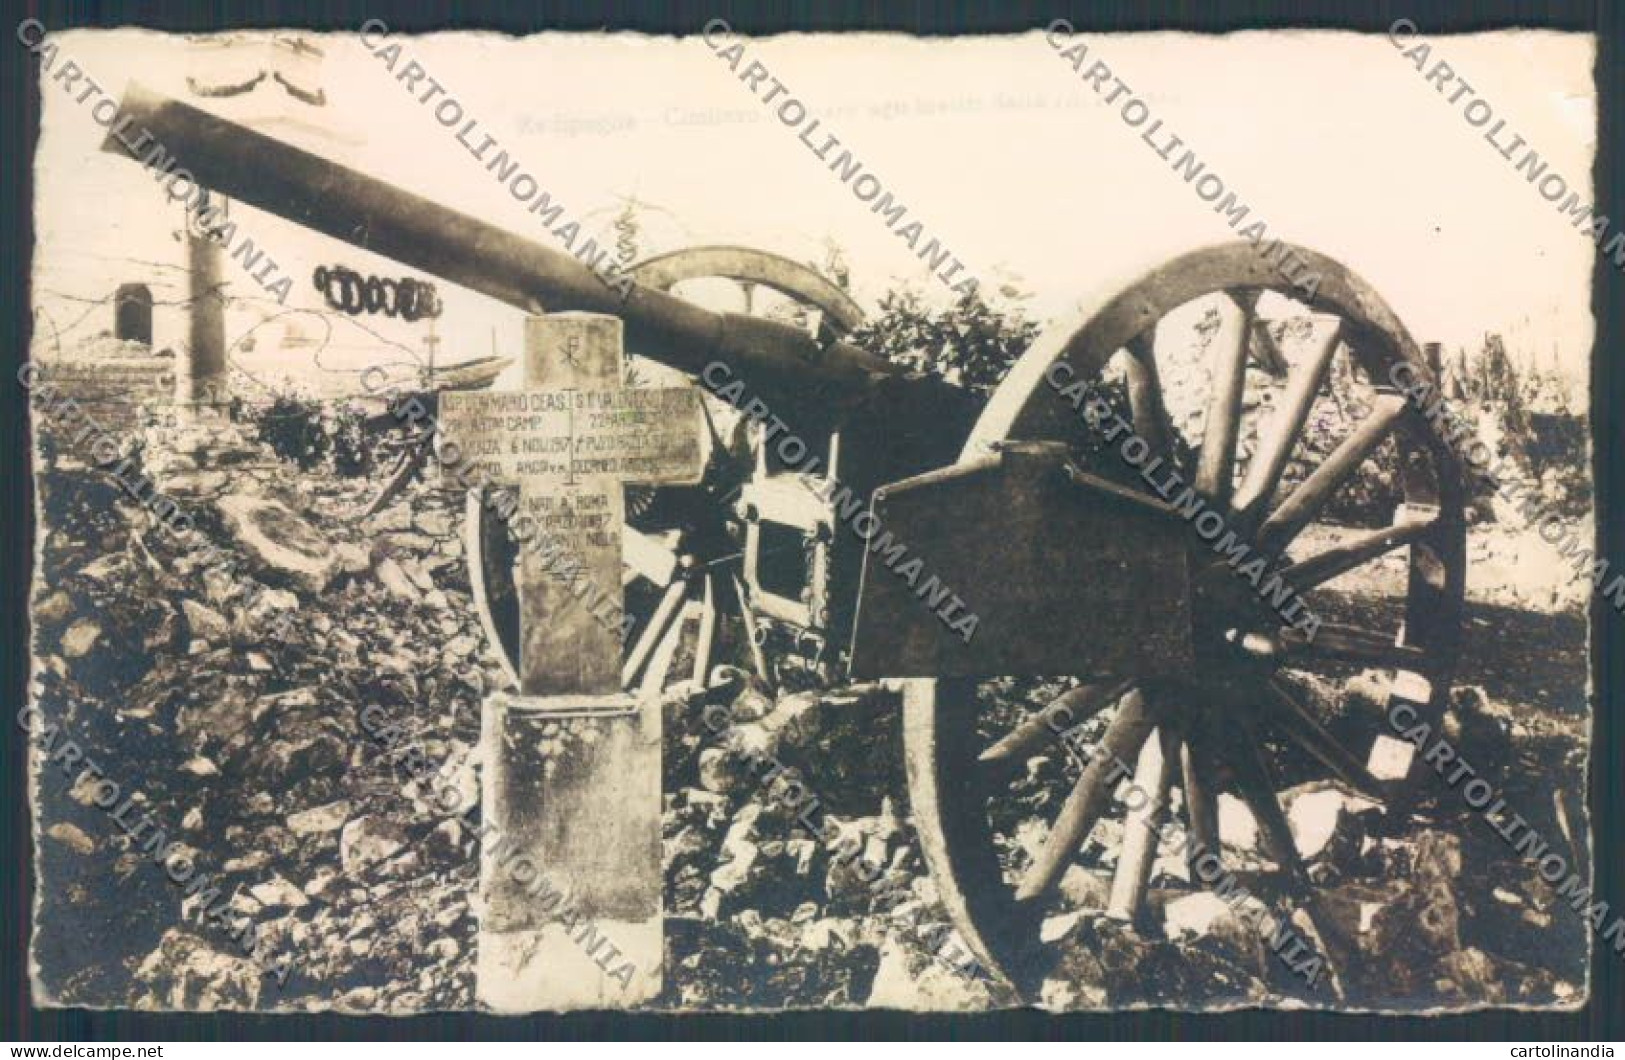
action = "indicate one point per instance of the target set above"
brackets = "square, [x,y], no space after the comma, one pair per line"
[555,968]
[570,864]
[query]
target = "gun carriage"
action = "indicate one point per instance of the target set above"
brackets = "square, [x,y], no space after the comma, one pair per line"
[1091,585]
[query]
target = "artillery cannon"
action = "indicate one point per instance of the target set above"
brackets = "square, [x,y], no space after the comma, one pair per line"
[1097,588]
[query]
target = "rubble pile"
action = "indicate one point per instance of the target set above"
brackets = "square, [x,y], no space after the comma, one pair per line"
[792,876]
[220,674]
[1430,907]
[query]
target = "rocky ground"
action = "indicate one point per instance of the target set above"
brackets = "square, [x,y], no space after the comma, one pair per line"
[248,746]
[248,749]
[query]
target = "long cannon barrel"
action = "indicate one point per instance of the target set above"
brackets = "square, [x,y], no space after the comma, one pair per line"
[320,194]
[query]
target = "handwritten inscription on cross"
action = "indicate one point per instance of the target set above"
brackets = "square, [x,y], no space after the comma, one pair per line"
[571,439]
[587,810]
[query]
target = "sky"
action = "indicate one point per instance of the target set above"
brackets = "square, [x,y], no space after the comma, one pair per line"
[995,144]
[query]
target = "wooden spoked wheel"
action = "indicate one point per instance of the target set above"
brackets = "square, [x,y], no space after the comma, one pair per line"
[1185,737]
[682,549]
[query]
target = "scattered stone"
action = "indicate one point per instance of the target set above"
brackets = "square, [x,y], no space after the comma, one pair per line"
[739,854]
[185,972]
[184,483]
[393,578]
[52,609]
[1390,758]
[403,867]
[200,767]
[1325,820]
[1194,915]
[278,893]
[71,836]
[1237,828]
[1055,928]
[352,558]
[205,622]
[1470,975]
[278,542]
[446,841]
[270,603]
[321,881]
[366,841]
[253,861]
[362,924]
[319,819]
[909,978]
[80,638]
[1082,888]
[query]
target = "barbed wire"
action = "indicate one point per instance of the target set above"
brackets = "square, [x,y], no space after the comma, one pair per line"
[348,290]
[170,266]
[414,359]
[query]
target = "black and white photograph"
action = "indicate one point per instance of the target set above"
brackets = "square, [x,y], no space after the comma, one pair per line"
[746,523]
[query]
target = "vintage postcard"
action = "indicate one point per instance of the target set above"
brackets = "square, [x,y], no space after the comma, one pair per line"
[822,521]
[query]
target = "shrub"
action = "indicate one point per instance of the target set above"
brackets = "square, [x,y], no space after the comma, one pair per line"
[969,342]
[311,433]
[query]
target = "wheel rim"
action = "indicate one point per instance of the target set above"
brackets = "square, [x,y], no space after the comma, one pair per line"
[1170,733]
[682,581]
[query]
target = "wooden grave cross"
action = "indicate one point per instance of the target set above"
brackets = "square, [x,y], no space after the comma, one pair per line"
[571,777]
[571,439]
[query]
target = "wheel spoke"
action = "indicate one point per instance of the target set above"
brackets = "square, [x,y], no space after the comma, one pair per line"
[1128,730]
[708,632]
[1305,502]
[1281,435]
[1200,782]
[1215,468]
[1267,352]
[1292,717]
[1340,559]
[665,652]
[747,616]
[1349,644]
[653,633]
[1151,421]
[1072,707]
[1257,789]
[1153,776]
